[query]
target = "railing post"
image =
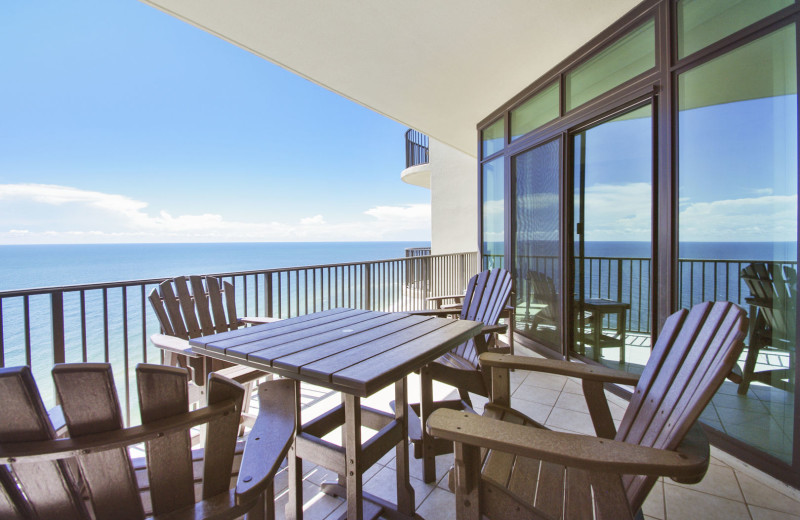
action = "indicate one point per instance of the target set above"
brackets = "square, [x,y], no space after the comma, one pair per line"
[462,271]
[268,293]
[368,287]
[57,321]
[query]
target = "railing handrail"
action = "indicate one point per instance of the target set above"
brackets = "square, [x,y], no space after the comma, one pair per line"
[150,281]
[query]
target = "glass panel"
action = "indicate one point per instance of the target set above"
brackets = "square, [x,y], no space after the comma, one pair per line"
[738,222]
[703,22]
[493,215]
[630,56]
[536,261]
[538,110]
[493,138]
[613,209]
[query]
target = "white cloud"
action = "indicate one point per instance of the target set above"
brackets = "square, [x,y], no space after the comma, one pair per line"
[316,219]
[38,213]
[618,212]
[769,218]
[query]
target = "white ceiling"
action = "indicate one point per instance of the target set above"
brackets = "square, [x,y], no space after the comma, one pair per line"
[439,66]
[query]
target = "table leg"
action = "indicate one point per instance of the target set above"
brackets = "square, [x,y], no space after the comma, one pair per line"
[352,427]
[405,493]
[294,509]
[597,332]
[425,410]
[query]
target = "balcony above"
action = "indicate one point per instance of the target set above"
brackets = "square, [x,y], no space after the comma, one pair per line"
[417,170]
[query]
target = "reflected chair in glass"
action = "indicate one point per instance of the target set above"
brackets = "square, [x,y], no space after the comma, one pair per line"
[772,335]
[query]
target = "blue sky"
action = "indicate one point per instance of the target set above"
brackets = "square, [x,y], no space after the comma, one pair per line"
[119,123]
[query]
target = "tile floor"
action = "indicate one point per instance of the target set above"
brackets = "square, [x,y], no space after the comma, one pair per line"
[731,490]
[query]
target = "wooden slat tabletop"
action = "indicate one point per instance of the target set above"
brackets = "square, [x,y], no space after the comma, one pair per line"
[355,351]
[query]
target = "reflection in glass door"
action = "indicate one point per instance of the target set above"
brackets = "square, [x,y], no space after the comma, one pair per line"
[612,176]
[536,243]
[738,225]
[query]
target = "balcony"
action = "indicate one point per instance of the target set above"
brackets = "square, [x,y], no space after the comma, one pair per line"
[112,321]
[417,170]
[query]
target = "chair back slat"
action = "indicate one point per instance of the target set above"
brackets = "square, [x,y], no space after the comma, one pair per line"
[485,298]
[10,497]
[692,356]
[173,309]
[201,304]
[164,391]
[48,488]
[161,312]
[90,406]
[187,304]
[220,437]
[230,303]
[215,297]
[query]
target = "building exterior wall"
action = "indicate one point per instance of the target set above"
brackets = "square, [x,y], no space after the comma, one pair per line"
[454,196]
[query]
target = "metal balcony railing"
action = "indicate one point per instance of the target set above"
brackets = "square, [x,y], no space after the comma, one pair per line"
[416,148]
[112,322]
[628,280]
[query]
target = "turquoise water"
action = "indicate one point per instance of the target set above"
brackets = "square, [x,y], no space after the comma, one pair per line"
[56,265]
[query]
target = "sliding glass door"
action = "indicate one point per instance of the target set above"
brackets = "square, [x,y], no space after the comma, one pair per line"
[537,264]
[612,168]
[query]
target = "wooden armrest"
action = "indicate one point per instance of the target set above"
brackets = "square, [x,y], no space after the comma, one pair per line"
[38,451]
[695,444]
[257,320]
[491,329]
[173,344]
[568,449]
[555,366]
[446,297]
[435,312]
[269,440]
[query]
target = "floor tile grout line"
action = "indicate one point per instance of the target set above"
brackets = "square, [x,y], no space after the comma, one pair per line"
[741,490]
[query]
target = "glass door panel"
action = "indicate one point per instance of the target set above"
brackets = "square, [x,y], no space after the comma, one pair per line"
[738,224]
[492,214]
[612,175]
[536,243]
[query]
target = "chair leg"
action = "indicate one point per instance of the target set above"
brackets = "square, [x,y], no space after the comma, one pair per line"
[749,367]
[467,482]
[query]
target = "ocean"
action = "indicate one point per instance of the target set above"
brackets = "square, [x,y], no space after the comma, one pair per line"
[25,267]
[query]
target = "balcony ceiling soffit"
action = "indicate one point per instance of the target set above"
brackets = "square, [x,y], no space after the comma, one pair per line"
[439,67]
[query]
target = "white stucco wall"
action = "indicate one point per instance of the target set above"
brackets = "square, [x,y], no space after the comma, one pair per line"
[454,200]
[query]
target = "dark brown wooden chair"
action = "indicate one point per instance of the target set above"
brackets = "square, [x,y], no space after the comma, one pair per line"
[509,466]
[91,474]
[773,311]
[194,307]
[485,299]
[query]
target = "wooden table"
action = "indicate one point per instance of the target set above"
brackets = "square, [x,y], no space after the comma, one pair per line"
[355,352]
[599,307]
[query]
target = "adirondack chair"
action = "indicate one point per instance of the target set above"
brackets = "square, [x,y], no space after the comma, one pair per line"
[773,315]
[183,316]
[91,475]
[486,297]
[542,297]
[509,466]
